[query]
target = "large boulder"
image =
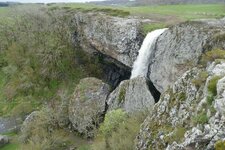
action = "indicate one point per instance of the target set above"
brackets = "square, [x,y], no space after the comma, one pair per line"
[88,105]
[178,49]
[133,95]
[119,38]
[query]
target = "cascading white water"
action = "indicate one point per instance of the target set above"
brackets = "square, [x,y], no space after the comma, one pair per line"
[140,67]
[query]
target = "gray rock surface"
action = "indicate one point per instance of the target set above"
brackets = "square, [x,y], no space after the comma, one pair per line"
[10,124]
[179,48]
[87,105]
[176,51]
[116,37]
[184,118]
[132,95]
[220,100]
[3,140]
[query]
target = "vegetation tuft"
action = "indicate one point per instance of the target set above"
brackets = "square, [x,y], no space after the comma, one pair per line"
[201,118]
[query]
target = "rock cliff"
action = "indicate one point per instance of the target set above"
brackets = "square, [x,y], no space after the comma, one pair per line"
[188,116]
[176,50]
[116,37]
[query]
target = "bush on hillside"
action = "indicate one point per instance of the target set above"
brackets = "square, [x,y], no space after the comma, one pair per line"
[114,136]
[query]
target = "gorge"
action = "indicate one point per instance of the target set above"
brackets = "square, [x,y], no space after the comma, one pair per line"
[93,80]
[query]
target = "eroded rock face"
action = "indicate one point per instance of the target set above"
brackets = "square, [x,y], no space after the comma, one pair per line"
[133,95]
[116,37]
[88,105]
[176,51]
[186,117]
[179,48]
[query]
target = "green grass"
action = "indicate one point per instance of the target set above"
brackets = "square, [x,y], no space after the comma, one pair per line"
[161,16]
[153,26]
[184,12]
[13,145]
[4,10]
[10,146]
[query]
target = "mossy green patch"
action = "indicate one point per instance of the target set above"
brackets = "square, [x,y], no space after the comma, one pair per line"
[212,55]
[201,118]
[122,94]
[146,28]
[220,145]
[178,135]
[212,85]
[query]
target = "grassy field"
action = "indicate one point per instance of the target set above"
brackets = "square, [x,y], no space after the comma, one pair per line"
[184,12]
[3,9]
[161,16]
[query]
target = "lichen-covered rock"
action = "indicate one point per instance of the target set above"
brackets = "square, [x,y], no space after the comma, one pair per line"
[178,49]
[171,113]
[133,95]
[88,105]
[220,100]
[27,125]
[119,38]
[187,116]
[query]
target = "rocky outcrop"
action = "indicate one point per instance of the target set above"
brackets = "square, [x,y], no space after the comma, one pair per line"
[179,49]
[187,116]
[133,95]
[10,124]
[116,37]
[87,105]
[175,52]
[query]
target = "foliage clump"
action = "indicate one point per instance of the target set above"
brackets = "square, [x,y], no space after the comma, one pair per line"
[112,121]
[212,85]
[201,118]
[42,132]
[212,55]
[122,94]
[38,63]
[220,145]
[113,135]
[200,80]
[146,28]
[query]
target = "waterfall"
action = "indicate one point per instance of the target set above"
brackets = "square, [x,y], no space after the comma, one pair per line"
[140,67]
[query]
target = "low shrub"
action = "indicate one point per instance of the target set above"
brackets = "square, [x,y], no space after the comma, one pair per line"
[201,118]
[212,85]
[112,121]
[177,135]
[200,80]
[212,55]
[117,138]
[220,145]
[42,132]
